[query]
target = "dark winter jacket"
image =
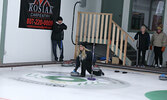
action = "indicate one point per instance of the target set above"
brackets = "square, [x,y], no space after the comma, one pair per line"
[58,31]
[87,62]
[144,40]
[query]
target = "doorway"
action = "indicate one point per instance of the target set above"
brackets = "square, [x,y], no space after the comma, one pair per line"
[115,7]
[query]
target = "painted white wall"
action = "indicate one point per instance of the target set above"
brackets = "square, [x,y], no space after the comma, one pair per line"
[125,22]
[1,5]
[24,45]
[125,16]
[30,45]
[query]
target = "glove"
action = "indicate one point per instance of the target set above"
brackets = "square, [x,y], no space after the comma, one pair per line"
[74,71]
[151,47]
[163,49]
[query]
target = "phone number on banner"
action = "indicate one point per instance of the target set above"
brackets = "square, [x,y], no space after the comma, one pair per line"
[41,22]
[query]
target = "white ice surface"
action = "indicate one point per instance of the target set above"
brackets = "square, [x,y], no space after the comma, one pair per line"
[139,84]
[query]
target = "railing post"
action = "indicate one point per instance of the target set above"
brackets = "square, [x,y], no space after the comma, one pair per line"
[90,27]
[76,39]
[125,49]
[105,30]
[113,38]
[117,41]
[109,39]
[121,45]
[97,30]
[86,27]
[81,32]
[93,30]
[102,25]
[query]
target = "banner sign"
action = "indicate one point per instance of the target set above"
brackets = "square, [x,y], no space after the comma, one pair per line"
[39,14]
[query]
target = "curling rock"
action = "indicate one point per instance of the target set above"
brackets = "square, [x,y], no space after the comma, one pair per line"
[91,78]
[163,77]
[76,74]
[68,64]
[96,69]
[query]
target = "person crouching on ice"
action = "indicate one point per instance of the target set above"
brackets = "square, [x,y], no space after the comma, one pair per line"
[84,58]
[159,41]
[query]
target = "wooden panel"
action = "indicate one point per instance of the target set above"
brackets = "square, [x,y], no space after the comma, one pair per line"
[121,45]
[93,31]
[81,31]
[106,26]
[109,39]
[113,38]
[102,25]
[117,41]
[86,27]
[97,30]
[77,32]
[90,27]
[125,49]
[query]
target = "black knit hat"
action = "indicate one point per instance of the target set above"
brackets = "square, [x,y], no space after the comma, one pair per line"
[83,44]
[59,18]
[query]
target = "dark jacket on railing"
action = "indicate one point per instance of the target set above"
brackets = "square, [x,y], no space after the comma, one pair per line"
[144,40]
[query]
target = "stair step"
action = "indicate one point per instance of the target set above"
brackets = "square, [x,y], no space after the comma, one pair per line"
[132,57]
[132,52]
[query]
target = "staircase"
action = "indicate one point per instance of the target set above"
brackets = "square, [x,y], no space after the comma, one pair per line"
[131,54]
[99,28]
[120,46]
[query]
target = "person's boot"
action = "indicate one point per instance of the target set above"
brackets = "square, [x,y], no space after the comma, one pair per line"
[160,66]
[56,59]
[102,73]
[60,60]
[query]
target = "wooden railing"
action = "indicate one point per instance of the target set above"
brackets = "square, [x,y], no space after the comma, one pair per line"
[120,44]
[99,28]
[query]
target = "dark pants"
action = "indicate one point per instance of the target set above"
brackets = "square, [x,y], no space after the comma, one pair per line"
[143,56]
[83,70]
[158,55]
[54,47]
